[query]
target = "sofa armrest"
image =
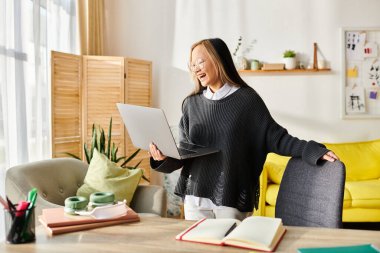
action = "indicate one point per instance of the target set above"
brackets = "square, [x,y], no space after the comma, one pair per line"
[149,199]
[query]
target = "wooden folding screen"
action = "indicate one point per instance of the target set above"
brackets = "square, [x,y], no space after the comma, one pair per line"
[103,87]
[138,91]
[85,90]
[66,97]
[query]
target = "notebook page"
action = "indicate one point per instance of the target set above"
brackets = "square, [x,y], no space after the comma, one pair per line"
[210,229]
[260,230]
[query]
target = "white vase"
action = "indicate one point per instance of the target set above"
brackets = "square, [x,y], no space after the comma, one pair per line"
[321,64]
[241,62]
[290,62]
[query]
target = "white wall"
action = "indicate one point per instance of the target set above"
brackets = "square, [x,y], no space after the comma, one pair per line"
[307,105]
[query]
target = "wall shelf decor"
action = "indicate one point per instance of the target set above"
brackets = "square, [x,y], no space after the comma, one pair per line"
[285,72]
[280,69]
[360,93]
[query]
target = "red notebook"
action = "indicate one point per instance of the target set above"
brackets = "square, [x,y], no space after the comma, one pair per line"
[255,232]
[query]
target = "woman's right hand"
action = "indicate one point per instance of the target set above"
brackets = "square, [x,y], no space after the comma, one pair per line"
[155,153]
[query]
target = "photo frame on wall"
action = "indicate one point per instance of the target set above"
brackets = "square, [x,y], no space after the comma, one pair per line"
[355,100]
[360,73]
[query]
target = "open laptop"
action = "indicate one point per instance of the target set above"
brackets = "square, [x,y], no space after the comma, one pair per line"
[146,125]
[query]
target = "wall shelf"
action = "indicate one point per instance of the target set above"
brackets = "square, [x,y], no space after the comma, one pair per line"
[285,72]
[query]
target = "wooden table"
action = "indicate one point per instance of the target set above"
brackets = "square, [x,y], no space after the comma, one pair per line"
[157,235]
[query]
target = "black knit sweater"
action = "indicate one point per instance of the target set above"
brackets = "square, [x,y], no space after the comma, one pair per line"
[241,127]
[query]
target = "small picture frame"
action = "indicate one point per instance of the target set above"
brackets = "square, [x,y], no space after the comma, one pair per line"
[355,100]
[371,73]
[370,50]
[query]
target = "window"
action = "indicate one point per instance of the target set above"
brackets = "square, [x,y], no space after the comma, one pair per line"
[30,29]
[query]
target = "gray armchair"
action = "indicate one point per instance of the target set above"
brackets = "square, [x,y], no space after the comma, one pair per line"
[59,178]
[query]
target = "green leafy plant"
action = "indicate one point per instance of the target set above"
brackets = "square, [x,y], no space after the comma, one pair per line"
[289,54]
[249,47]
[238,45]
[246,47]
[98,141]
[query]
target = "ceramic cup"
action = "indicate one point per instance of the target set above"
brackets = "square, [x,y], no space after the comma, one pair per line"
[255,65]
[321,64]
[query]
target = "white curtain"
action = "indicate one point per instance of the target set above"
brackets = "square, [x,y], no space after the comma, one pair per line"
[29,30]
[202,19]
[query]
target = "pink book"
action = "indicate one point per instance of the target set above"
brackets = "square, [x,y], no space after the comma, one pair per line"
[56,217]
[72,228]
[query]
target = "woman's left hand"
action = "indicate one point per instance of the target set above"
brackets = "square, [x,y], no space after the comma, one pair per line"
[330,156]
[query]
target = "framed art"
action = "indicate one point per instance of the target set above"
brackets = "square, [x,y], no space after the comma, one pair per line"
[360,73]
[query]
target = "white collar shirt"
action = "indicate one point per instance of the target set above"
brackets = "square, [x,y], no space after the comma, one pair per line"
[223,92]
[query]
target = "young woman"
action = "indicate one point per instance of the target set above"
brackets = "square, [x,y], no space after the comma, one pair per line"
[225,113]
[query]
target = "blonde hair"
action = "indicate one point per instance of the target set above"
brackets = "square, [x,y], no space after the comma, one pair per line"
[224,70]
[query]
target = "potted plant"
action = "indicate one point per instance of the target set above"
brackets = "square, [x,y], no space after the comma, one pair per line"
[104,146]
[239,60]
[240,53]
[290,59]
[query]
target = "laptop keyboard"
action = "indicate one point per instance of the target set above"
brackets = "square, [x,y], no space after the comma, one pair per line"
[185,151]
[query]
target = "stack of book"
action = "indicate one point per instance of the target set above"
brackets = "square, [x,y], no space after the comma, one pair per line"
[56,221]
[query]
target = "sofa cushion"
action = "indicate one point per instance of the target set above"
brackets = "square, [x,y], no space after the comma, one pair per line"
[364,194]
[362,159]
[361,215]
[106,176]
[275,166]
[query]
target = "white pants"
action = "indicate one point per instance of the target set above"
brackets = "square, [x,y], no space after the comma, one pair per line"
[196,208]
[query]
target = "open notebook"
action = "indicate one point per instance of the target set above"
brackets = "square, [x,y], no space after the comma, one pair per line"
[255,232]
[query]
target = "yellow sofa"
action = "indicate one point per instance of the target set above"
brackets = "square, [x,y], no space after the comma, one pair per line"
[362,189]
